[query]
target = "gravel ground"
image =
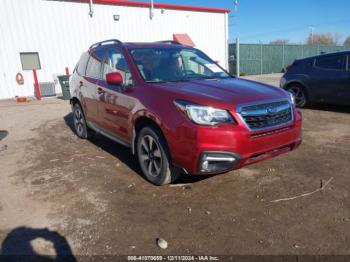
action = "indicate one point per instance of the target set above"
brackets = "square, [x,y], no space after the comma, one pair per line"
[271,79]
[62,195]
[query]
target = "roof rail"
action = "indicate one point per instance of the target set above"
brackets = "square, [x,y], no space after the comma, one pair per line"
[114,41]
[170,42]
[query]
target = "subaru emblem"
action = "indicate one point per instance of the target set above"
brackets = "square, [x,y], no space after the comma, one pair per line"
[271,110]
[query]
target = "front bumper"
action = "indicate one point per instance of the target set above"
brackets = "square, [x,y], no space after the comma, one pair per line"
[234,146]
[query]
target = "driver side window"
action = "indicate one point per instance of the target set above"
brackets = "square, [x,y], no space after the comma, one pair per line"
[116,62]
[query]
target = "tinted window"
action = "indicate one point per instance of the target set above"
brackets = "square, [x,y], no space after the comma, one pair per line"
[331,62]
[93,69]
[82,63]
[308,63]
[116,62]
[349,62]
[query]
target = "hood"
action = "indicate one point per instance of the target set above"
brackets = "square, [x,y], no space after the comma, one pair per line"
[224,92]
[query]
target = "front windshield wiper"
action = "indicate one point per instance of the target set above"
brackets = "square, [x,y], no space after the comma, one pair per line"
[212,78]
[207,78]
[168,81]
[156,82]
[179,80]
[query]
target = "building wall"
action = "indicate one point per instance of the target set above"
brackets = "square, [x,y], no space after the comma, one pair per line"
[61,31]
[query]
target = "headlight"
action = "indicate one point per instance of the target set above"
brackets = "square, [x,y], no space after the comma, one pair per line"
[204,115]
[291,98]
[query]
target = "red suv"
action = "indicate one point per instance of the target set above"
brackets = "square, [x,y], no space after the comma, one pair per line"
[178,111]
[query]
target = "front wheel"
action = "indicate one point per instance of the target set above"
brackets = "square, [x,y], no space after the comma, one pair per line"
[153,156]
[299,94]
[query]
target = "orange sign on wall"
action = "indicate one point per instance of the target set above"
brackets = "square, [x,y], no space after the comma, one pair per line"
[19,79]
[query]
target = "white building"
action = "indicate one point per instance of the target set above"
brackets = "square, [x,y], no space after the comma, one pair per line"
[52,34]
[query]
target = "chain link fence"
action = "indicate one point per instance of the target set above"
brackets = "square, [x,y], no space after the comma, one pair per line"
[257,59]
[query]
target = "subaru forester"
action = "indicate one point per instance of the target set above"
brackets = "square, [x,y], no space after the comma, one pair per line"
[179,111]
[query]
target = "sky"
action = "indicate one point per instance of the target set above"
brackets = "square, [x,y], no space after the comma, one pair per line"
[267,20]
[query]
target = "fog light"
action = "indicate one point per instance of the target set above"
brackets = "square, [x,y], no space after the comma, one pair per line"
[205,165]
[216,162]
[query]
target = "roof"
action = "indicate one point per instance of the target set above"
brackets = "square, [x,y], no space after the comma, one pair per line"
[345,52]
[156,5]
[168,45]
[160,44]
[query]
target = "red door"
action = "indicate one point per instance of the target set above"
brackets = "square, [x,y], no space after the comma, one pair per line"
[115,104]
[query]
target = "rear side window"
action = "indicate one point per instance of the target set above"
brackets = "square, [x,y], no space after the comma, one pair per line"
[93,69]
[331,62]
[309,63]
[301,65]
[82,64]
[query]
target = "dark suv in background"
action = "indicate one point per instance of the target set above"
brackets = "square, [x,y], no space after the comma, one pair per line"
[322,78]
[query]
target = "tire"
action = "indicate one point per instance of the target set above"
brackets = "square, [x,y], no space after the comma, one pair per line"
[81,128]
[298,91]
[154,158]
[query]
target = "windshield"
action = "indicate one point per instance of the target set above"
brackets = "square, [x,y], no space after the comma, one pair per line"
[158,65]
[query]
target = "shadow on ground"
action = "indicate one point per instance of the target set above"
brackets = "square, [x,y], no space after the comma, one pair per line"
[3,134]
[17,246]
[124,154]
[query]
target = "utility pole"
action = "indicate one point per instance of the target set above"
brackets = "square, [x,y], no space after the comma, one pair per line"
[261,57]
[235,16]
[312,28]
[235,3]
[237,58]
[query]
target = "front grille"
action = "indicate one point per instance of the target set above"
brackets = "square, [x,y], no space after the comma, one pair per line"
[267,133]
[266,115]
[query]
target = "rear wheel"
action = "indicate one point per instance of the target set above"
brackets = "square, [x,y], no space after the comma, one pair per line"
[81,128]
[153,156]
[299,94]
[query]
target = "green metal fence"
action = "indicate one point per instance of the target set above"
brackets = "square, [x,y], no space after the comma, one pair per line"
[265,59]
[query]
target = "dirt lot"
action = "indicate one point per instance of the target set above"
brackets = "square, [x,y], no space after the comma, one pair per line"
[55,187]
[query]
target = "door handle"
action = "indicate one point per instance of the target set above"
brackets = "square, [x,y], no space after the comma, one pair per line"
[100,91]
[111,112]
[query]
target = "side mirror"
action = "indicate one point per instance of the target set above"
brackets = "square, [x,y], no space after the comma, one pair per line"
[114,78]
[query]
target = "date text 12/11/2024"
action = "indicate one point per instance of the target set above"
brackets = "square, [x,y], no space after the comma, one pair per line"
[173,258]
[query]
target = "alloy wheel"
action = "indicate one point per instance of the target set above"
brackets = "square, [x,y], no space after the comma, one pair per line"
[150,155]
[79,121]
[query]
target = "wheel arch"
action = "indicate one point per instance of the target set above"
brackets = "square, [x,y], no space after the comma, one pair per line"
[74,100]
[299,83]
[143,121]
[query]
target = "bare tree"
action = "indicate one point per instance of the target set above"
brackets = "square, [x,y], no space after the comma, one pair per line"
[323,39]
[279,42]
[347,41]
